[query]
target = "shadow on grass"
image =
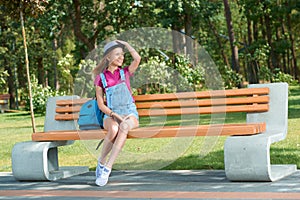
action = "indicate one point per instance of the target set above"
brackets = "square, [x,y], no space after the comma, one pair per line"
[19,115]
[294,91]
[294,109]
[294,102]
[213,160]
[285,156]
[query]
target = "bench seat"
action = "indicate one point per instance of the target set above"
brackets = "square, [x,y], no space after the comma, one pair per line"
[157,132]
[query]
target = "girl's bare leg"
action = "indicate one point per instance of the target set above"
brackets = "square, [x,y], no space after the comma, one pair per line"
[120,140]
[112,128]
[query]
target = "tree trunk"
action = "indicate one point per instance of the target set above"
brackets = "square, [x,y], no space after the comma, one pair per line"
[272,58]
[252,66]
[277,56]
[220,45]
[77,28]
[11,85]
[234,49]
[41,71]
[293,51]
[54,72]
[27,72]
[284,57]
[188,31]
[255,30]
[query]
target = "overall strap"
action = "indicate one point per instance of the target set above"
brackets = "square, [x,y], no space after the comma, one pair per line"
[123,78]
[103,80]
[122,74]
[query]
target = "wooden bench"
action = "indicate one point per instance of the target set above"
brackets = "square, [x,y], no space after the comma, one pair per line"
[208,102]
[61,129]
[4,102]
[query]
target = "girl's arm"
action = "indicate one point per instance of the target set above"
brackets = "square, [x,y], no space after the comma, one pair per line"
[100,101]
[136,57]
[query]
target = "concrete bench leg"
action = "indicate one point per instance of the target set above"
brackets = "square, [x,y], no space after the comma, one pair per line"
[3,107]
[39,161]
[247,158]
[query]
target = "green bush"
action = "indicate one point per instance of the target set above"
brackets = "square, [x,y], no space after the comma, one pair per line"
[154,76]
[67,71]
[230,78]
[279,76]
[192,76]
[3,84]
[266,75]
[160,76]
[40,95]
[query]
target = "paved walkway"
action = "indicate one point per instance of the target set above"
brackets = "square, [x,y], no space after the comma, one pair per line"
[183,184]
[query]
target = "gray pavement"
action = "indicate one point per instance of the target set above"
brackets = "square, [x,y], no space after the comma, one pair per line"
[162,184]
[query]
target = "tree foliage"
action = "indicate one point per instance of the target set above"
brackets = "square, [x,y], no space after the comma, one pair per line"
[266,35]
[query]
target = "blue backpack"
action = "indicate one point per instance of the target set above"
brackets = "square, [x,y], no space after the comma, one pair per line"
[90,116]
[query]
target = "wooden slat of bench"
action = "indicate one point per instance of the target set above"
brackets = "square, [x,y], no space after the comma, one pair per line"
[199,103]
[67,117]
[203,110]
[157,132]
[183,111]
[203,94]
[67,109]
[72,102]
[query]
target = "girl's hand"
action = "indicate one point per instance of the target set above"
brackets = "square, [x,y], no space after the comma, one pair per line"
[122,42]
[136,57]
[117,117]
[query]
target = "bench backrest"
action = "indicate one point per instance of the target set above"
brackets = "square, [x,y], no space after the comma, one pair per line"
[4,96]
[204,102]
[277,117]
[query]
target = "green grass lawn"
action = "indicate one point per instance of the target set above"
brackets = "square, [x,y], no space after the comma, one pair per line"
[168,153]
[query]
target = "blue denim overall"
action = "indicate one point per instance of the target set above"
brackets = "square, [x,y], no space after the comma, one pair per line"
[119,98]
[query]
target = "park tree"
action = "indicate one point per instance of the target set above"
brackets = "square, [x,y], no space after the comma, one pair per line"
[95,21]
[265,32]
[234,49]
[270,44]
[291,16]
[8,50]
[180,16]
[212,24]
[19,9]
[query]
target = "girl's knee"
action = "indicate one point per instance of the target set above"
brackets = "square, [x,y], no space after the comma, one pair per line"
[112,131]
[129,124]
[125,127]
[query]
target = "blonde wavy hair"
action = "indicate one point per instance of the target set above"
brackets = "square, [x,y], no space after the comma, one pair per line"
[102,65]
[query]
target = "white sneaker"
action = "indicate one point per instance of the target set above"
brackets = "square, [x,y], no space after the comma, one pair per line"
[103,179]
[99,169]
